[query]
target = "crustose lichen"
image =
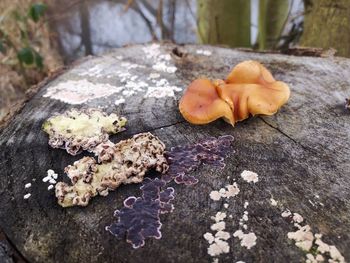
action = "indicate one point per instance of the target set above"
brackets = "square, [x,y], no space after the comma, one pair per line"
[124,163]
[187,158]
[139,218]
[78,130]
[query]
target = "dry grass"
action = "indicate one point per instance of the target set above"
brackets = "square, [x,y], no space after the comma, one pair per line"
[12,83]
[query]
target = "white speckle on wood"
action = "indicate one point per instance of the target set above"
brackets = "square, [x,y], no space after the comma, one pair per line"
[26,196]
[286,213]
[50,187]
[51,177]
[203,52]
[52,181]
[28,185]
[154,76]
[119,101]
[226,205]
[246,203]
[311,203]
[245,217]
[273,202]
[161,61]
[161,92]
[249,176]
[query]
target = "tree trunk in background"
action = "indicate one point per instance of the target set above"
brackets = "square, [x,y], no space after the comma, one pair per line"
[224,22]
[85,27]
[327,25]
[272,19]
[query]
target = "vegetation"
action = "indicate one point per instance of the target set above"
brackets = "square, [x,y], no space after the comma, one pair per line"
[20,44]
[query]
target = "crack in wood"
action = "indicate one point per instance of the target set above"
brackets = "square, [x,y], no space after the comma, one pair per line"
[161,127]
[288,136]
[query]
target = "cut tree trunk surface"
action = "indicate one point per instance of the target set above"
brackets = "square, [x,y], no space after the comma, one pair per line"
[301,154]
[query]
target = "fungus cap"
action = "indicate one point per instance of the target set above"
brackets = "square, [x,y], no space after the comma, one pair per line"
[201,103]
[249,89]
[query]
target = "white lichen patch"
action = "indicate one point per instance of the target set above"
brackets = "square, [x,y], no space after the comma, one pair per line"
[222,235]
[218,242]
[77,130]
[307,241]
[297,218]
[215,195]
[249,176]
[218,247]
[203,52]
[80,91]
[218,226]
[209,237]
[28,185]
[230,190]
[247,240]
[220,216]
[303,237]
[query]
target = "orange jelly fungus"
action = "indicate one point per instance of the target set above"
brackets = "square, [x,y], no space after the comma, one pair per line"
[249,89]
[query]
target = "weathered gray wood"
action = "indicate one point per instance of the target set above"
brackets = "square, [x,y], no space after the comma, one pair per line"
[299,153]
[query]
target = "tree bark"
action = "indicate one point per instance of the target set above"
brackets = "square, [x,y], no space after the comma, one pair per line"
[327,25]
[224,22]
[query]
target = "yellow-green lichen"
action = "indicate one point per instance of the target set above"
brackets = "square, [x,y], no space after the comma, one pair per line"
[77,130]
[127,162]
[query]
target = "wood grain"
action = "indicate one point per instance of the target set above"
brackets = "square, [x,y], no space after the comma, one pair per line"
[300,153]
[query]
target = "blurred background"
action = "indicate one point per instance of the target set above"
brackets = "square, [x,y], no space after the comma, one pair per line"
[38,37]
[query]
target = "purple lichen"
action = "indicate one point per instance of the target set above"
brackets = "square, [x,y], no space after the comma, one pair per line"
[186,159]
[139,218]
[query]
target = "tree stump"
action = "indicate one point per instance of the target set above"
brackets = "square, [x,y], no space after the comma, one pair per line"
[301,154]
